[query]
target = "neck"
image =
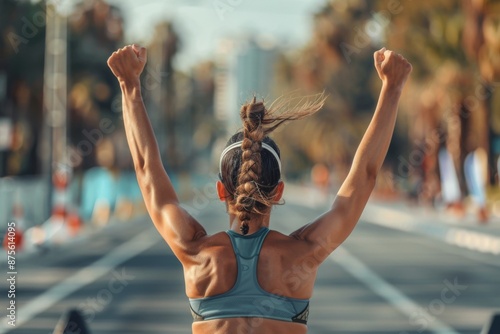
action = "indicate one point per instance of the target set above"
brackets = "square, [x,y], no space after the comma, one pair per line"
[255,224]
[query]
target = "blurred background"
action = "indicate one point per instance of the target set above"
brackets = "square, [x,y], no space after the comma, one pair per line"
[60,104]
[66,171]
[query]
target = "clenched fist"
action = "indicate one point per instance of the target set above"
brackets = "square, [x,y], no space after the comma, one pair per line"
[128,63]
[392,68]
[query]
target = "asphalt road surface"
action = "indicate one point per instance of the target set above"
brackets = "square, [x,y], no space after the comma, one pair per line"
[125,279]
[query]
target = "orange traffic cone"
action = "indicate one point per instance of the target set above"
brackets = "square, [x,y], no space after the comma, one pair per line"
[14,237]
[74,223]
[64,220]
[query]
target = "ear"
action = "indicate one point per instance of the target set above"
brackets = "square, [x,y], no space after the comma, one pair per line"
[279,191]
[222,192]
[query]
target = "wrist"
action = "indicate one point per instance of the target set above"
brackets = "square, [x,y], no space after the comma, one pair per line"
[392,87]
[131,86]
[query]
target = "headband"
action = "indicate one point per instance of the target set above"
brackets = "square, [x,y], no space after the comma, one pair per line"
[238,144]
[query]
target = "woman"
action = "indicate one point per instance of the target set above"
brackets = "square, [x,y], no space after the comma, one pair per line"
[238,281]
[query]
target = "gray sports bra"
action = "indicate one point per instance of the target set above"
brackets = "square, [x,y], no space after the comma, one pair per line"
[246,298]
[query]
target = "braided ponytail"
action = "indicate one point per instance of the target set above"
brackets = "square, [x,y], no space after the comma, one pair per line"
[251,175]
[247,192]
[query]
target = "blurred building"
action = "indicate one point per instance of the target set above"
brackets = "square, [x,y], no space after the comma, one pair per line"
[244,68]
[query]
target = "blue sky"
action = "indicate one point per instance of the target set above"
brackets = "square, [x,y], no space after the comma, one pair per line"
[201,25]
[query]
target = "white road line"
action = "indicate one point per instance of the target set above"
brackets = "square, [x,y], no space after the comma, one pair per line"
[377,284]
[460,237]
[85,276]
[403,221]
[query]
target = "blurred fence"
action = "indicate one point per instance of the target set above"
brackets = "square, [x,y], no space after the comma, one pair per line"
[97,190]
[96,186]
[30,192]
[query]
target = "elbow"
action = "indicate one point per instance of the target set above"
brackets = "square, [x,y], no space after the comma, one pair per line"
[371,174]
[141,173]
[366,169]
[140,165]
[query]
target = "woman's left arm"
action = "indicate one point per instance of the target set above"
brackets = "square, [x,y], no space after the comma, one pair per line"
[335,225]
[177,227]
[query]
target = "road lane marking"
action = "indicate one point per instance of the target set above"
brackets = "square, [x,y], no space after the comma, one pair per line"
[460,237]
[378,285]
[85,276]
[391,218]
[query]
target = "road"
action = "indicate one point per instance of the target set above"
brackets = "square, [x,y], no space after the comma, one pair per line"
[125,279]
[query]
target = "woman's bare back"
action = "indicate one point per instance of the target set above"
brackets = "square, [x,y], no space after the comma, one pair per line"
[285,267]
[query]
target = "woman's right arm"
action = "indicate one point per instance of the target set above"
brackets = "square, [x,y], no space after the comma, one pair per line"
[333,227]
[177,227]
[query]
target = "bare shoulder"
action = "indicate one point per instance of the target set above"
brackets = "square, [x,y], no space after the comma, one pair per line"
[287,244]
[208,247]
[213,241]
[278,236]
[212,245]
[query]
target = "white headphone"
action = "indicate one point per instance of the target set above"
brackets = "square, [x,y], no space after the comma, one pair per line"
[238,144]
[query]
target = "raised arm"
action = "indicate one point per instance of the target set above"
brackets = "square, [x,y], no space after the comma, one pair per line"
[332,228]
[176,226]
